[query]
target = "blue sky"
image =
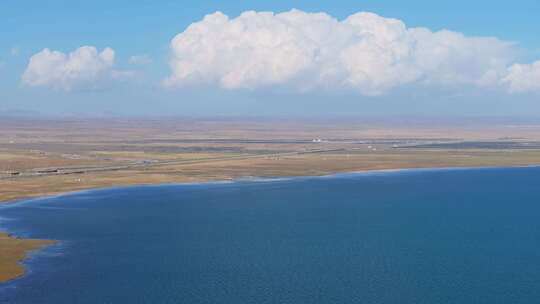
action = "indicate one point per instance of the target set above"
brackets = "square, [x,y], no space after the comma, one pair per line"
[145,28]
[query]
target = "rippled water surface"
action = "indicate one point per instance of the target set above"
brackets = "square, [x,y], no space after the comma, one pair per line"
[424,236]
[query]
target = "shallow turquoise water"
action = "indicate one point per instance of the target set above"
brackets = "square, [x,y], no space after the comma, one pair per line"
[420,236]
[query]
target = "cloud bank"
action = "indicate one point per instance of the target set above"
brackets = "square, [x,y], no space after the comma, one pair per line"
[523,78]
[364,52]
[84,66]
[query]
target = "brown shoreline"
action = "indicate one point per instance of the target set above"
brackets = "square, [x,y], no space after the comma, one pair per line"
[13,251]
[13,199]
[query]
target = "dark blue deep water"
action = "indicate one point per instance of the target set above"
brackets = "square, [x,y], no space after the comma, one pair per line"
[420,236]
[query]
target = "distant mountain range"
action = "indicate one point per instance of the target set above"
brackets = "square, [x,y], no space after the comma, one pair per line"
[19,113]
[16,113]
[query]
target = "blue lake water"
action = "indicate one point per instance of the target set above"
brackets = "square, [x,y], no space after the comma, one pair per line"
[419,236]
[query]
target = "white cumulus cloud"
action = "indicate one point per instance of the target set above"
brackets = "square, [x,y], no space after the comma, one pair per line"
[83,66]
[364,52]
[523,78]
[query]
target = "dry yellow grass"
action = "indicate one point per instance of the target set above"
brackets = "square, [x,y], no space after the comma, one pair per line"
[267,166]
